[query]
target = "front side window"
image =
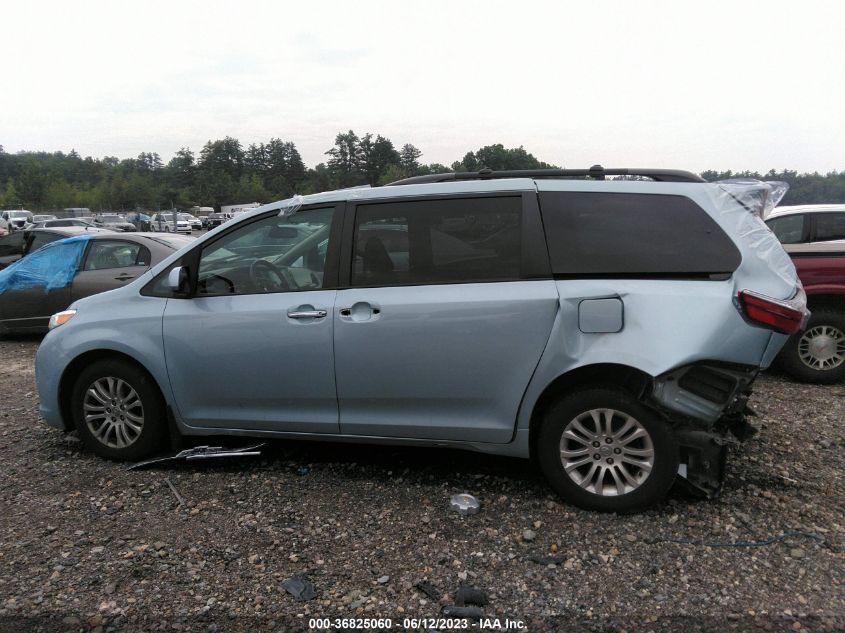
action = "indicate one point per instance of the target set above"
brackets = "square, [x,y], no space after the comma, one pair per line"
[274,254]
[789,229]
[830,226]
[114,254]
[437,241]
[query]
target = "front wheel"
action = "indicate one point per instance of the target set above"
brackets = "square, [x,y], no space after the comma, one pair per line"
[118,410]
[818,353]
[601,449]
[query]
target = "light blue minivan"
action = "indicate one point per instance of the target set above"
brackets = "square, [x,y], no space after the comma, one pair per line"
[610,328]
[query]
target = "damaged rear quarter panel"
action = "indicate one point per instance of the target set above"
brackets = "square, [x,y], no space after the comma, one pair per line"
[667,324]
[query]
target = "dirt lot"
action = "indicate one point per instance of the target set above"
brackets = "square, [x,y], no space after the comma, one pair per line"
[84,544]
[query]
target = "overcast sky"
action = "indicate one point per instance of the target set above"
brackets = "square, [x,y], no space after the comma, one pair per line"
[733,85]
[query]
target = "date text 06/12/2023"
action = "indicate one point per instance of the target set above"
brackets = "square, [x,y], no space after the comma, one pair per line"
[490,624]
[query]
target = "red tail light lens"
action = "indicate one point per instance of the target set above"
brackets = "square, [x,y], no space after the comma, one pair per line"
[786,317]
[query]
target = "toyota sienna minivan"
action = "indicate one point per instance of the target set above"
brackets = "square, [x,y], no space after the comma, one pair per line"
[607,323]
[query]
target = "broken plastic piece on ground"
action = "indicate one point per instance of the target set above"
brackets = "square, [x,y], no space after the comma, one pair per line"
[470,596]
[465,504]
[428,589]
[202,452]
[300,588]
[470,613]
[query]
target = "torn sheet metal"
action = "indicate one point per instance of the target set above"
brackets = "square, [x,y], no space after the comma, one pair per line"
[201,452]
[51,267]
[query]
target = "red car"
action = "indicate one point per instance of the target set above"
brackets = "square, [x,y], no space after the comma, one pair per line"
[818,353]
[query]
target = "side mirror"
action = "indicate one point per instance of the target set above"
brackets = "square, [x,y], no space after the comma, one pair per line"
[178,280]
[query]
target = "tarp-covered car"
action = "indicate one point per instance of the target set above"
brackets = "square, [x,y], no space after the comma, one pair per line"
[56,275]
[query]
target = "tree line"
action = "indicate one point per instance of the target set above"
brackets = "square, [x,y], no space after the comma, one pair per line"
[225,172]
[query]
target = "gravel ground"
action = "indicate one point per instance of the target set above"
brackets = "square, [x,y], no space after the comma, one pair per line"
[85,544]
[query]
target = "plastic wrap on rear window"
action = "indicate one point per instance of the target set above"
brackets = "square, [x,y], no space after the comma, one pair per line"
[744,204]
[51,267]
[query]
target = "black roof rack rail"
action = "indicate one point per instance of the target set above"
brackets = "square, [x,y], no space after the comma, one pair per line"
[596,172]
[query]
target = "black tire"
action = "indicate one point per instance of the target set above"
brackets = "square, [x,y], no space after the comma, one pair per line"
[790,357]
[153,429]
[651,487]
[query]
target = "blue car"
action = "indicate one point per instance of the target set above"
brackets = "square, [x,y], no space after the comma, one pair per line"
[609,329]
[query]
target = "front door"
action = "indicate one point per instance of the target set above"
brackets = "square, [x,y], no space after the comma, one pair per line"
[252,349]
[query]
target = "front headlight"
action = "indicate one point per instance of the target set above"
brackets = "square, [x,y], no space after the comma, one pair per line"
[60,318]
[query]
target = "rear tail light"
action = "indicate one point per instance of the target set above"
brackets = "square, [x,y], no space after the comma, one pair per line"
[782,316]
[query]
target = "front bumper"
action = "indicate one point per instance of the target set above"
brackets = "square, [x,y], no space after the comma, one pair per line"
[49,365]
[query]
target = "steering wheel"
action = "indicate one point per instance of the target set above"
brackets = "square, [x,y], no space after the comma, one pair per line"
[267,276]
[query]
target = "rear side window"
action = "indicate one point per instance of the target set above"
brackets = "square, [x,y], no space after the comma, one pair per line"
[830,226]
[620,234]
[437,241]
[788,229]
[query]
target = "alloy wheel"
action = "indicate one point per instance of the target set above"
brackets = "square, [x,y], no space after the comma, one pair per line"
[606,452]
[114,413]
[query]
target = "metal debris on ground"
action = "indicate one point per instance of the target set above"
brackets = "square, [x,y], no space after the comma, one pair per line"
[202,452]
[465,504]
[470,613]
[300,588]
[179,497]
[466,595]
[428,589]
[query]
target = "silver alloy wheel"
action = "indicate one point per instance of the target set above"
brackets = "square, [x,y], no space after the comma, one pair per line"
[606,452]
[113,412]
[822,347]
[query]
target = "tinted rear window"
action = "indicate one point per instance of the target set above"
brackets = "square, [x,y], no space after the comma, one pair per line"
[633,234]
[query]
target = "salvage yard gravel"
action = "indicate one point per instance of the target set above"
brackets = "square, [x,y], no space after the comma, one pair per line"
[326,536]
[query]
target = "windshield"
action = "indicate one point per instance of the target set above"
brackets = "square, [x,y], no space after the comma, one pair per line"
[19,214]
[186,217]
[111,218]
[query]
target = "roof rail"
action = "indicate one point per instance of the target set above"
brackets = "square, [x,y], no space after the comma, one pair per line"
[597,172]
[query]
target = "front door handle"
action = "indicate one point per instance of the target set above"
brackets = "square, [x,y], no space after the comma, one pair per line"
[307,314]
[124,277]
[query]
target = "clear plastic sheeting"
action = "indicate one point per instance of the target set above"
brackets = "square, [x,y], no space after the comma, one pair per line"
[743,204]
[290,206]
[760,197]
[51,267]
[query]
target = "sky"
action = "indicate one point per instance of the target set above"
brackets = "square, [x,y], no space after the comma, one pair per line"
[716,85]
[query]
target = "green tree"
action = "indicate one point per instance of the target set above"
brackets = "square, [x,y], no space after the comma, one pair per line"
[345,161]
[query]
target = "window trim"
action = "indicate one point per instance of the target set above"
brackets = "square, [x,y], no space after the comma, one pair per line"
[534,256]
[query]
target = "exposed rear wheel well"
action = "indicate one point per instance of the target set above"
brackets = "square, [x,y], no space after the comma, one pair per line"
[73,370]
[632,380]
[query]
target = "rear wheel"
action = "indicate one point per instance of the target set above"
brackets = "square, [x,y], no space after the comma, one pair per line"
[118,410]
[601,449]
[818,353]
